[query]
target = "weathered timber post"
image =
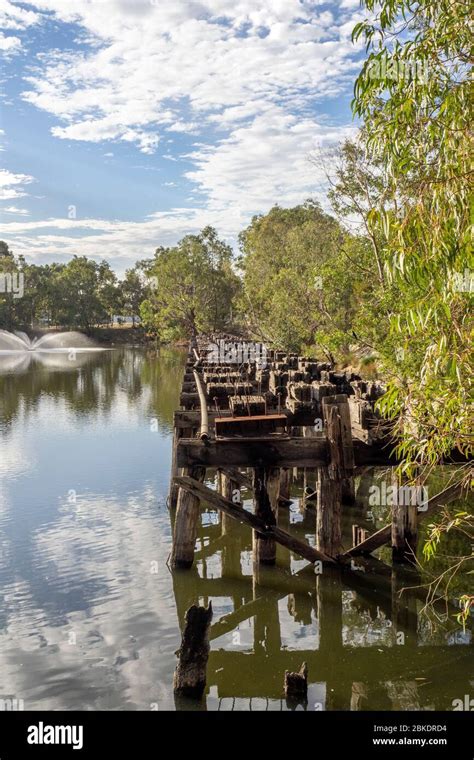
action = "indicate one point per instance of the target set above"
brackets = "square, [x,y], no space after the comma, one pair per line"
[338,430]
[266,486]
[229,489]
[186,522]
[175,470]
[190,674]
[296,687]
[348,490]
[404,522]
[328,515]
[348,485]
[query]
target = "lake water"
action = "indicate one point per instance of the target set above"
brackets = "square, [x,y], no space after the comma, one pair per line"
[89,611]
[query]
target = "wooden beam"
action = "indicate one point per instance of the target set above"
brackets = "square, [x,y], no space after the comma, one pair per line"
[384,535]
[239,477]
[269,531]
[276,451]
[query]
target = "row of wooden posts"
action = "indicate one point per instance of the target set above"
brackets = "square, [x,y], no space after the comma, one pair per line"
[335,457]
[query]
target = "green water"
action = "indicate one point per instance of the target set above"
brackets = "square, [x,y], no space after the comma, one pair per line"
[89,611]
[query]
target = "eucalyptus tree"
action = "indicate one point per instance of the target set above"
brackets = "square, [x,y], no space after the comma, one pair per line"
[413,96]
[192,287]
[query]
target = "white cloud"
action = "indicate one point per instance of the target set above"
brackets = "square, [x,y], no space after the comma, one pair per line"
[11,184]
[250,80]
[14,17]
[264,162]
[9,44]
[180,66]
[15,210]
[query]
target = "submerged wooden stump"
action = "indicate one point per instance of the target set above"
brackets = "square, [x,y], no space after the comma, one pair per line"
[296,685]
[190,674]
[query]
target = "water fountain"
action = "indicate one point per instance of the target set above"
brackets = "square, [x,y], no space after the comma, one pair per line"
[60,350]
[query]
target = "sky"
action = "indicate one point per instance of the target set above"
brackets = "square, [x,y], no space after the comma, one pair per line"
[127,124]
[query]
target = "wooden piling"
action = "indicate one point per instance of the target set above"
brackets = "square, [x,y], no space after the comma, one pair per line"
[190,674]
[328,514]
[266,485]
[186,522]
[330,479]
[404,524]
[173,492]
[296,685]
[290,541]
[230,489]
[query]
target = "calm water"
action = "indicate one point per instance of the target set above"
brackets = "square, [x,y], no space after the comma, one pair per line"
[89,612]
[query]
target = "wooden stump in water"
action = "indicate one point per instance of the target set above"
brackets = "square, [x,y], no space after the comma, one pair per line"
[296,685]
[190,674]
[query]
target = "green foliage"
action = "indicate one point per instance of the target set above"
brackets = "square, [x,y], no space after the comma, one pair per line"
[418,132]
[297,287]
[461,566]
[193,286]
[81,293]
[460,520]
[133,291]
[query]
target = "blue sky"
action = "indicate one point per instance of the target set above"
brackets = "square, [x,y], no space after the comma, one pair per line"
[128,124]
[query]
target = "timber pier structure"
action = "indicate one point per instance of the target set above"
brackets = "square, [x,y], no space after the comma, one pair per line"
[265,429]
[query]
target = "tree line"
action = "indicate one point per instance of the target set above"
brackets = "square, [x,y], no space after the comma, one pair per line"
[79,294]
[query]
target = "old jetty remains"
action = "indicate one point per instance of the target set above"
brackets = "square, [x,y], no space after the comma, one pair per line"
[254,426]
